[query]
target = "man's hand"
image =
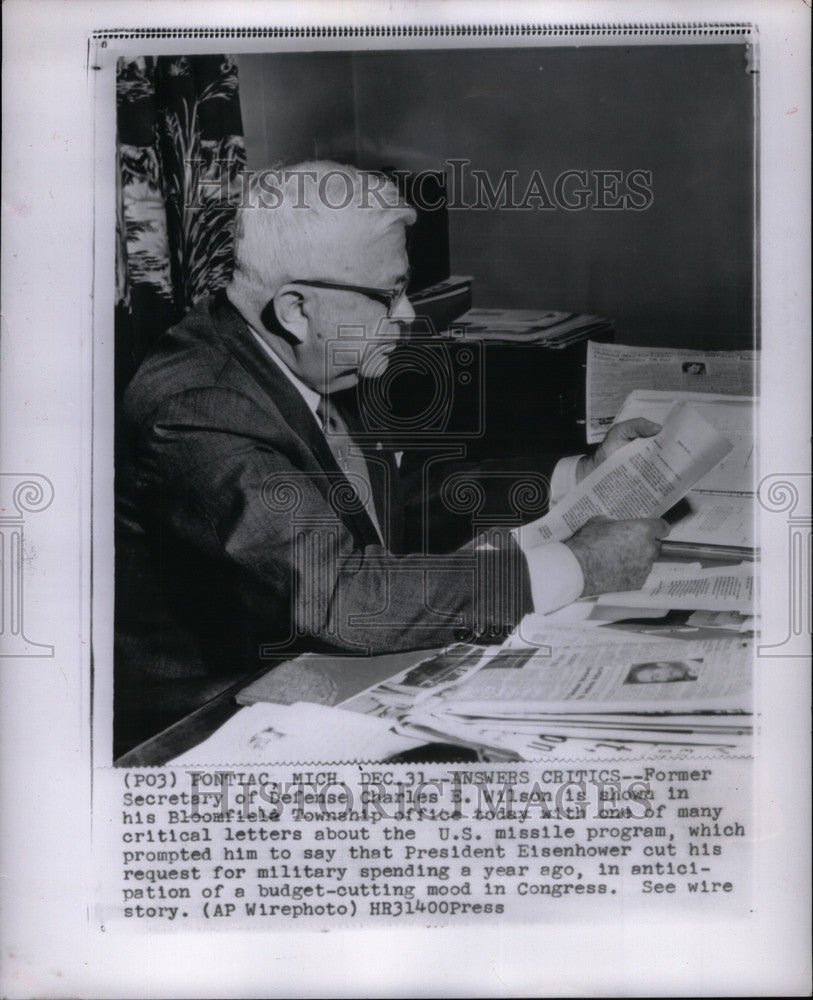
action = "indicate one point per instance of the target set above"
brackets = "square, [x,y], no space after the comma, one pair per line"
[617,555]
[617,437]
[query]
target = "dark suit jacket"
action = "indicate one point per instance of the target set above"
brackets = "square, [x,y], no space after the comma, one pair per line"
[237,538]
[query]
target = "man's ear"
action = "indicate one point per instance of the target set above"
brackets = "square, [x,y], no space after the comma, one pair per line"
[292,312]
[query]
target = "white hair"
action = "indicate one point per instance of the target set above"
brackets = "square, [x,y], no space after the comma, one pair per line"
[302,222]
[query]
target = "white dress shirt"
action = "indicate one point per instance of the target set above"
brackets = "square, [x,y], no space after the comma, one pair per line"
[311,396]
[555,573]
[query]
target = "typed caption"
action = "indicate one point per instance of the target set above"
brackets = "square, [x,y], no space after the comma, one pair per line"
[322,847]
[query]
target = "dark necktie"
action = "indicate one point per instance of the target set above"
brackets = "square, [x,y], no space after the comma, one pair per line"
[348,455]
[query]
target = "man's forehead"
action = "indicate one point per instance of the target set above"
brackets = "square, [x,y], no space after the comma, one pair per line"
[373,252]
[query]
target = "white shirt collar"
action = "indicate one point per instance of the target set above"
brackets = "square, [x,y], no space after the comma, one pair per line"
[311,396]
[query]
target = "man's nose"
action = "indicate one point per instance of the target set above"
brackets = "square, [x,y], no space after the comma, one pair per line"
[402,311]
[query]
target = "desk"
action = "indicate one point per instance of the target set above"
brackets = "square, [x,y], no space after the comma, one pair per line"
[189,731]
[350,676]
[341,676]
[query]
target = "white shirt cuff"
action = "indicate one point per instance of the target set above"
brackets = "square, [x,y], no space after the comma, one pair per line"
[564,477]
[556,576]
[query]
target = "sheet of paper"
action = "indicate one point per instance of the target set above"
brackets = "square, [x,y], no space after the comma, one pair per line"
[715,519]
[642,479]
[733,416]
[729,620]
[265,733]
[727,588]
[589,615]
[577,611]
[723,722]
[615,370]
[655,747]
[537,630]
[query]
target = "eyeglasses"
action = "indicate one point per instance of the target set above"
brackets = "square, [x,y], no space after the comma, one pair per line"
[386,296]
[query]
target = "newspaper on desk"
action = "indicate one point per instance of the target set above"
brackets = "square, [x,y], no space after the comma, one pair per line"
[658,692]
[657,675]
[616,370]
[556,689]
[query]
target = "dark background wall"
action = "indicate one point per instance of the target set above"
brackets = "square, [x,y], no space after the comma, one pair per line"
[678,274]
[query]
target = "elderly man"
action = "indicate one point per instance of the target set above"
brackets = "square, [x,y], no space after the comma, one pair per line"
[250,521]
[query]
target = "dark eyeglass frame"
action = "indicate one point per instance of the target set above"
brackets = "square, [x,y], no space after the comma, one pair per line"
[386,296]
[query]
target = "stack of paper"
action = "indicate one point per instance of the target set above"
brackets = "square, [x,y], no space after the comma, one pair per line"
[687,694]
[589,689]
[552,329]
[441,304]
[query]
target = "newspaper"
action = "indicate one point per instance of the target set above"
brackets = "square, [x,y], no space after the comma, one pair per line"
[615,370]
[681,675]
[599,695]
[642,479]
[433,674]
[450,669]
[551,684]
